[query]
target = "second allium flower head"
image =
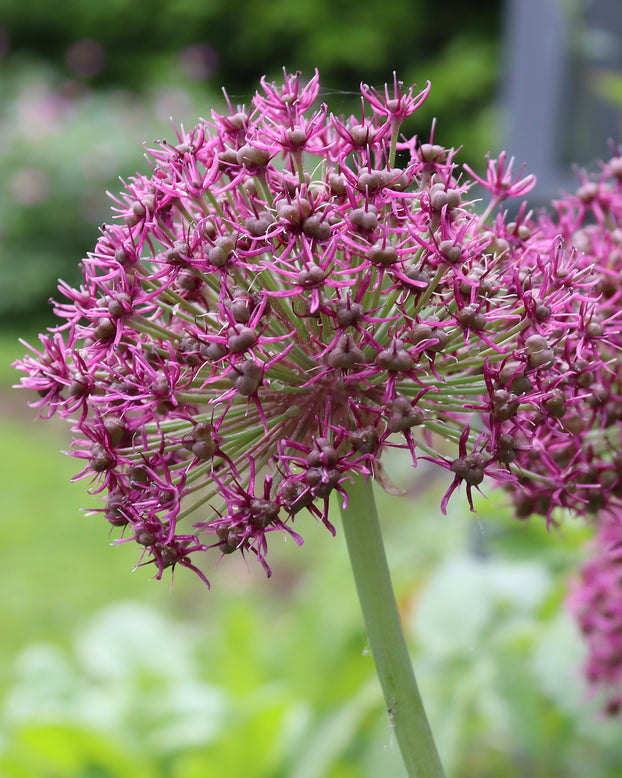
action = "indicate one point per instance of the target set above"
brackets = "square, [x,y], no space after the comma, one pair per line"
[278,303]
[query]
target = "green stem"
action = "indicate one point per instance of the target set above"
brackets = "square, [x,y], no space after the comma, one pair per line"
[384,632]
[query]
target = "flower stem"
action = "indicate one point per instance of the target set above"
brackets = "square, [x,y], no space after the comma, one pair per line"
[384,632]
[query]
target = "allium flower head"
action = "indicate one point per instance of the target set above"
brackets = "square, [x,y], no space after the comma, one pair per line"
[277,303]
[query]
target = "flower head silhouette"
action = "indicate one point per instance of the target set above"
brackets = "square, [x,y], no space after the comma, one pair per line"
[278,303]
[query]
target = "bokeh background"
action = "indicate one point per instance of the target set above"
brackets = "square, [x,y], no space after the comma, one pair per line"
[107,674]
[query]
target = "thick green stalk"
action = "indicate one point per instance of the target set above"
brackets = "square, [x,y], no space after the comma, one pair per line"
[384,632]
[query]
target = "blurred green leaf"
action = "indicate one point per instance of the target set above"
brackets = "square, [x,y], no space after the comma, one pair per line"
[334,734]
[69,751]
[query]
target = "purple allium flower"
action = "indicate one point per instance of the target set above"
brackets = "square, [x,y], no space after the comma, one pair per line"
[573,454]
[278,303]
[596,602]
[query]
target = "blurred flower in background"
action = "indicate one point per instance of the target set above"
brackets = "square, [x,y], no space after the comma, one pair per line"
[85,57]
[596,602]
[199,61]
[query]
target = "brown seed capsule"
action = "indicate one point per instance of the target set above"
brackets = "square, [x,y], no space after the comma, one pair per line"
[249,379]
[370,181]
[512,375]
[241,309]
[115,513]
[188,282]
[219,254]
[504,404]
[542,312]
[594,330]
[338,184]
[119,306]
[346,354]
[297,136]
[362,134]
[422,277]
[242,340]
[348,313]
[263,512]
[432,152]
[145,537]
[79,385]
[382,254]
[470,468]
[213,351]
[294,212]
[101,460]
[105,329]
[227,158]
[451,251]
[168,555]
[365,440]
[231,541]
[402,415]
[364,220]
[535,343]
[115,428]
[314,227]
[330,479]
[295,496]
[555,404]
[311,275]
[506,449]
[544,358]
[259,226]
[439,199]
[323,454]
[420,332]
[252,156]
[178,254]
[471,318]
[395,179]
[439,340]
[394,358]
[139,475]
[123,257]
[204,448]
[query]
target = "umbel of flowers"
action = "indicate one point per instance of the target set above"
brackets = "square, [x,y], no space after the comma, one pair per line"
[279,302]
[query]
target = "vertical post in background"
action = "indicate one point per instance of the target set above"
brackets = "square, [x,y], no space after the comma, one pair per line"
[562,86]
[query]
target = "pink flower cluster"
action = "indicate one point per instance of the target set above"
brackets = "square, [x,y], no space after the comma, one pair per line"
[279,302]
[596,603]
[576,462]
